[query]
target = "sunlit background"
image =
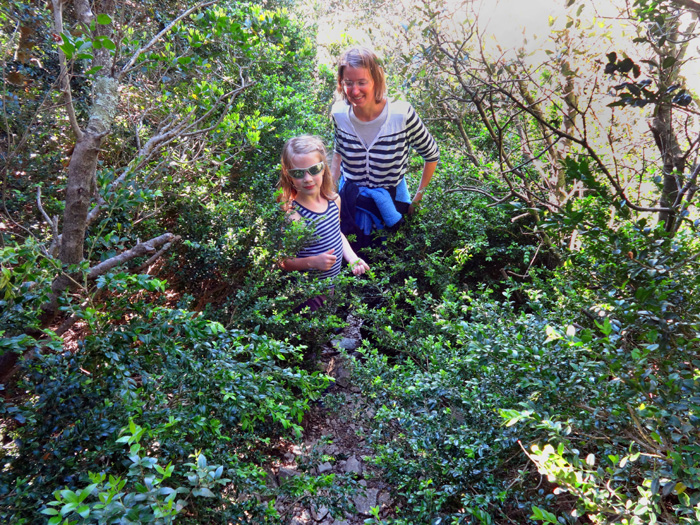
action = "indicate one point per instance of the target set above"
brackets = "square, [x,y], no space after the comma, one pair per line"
[506,24]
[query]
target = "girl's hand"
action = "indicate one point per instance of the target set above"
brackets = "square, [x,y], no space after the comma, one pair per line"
[325,261]
[359,266]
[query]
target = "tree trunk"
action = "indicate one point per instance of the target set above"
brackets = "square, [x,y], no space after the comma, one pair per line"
[83,168]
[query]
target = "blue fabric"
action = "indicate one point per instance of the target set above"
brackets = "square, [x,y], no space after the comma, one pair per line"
[359,221]
[365,220]
[385,204]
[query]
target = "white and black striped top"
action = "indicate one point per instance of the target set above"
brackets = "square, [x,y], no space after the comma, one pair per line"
[383,163]
[326,226]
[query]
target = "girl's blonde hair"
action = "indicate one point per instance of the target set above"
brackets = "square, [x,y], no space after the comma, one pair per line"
[357,57]
[302,145]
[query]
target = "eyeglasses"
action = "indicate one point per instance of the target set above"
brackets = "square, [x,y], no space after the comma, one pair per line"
[299,173]
[359,83]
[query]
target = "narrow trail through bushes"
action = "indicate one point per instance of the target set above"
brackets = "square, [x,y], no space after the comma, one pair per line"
[336,441]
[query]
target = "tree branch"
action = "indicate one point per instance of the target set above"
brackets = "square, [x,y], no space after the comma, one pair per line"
[142,248]
[64,80]
[688,4]
[153,258]
[52,222]
[155,39]
[172,130]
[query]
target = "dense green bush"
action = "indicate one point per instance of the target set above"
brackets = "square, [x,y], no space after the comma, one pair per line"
[591,367]
[192,386]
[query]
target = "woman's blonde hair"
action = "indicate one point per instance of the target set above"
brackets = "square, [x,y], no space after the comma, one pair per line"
[302,145]
[357,57]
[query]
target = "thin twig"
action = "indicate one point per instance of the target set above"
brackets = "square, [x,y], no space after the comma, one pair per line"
[130,64]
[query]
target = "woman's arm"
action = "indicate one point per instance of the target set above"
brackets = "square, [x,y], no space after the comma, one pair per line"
[335,167]
[428,171]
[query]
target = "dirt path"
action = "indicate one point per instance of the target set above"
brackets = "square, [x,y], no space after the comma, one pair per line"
[335,441]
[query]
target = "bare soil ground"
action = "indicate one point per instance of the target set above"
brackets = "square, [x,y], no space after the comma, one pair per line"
[335,441]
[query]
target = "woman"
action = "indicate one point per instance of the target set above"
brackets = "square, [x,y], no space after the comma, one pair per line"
[373,136]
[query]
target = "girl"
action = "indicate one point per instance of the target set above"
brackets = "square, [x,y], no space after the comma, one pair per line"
[307,194]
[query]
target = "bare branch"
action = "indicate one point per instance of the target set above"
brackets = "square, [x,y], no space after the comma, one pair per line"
[52,222]
[231,95]
[480,191]
[155,39]
[153,258]
[64,79]
[142,248]
[170,131]
[691,5]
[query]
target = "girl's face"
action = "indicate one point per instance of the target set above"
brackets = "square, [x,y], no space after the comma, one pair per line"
[309,186]
[358,86]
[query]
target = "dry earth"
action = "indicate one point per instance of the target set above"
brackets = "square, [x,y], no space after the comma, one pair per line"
[335,441]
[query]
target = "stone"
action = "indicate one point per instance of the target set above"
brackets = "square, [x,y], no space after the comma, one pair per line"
[271,478]
[325,467]
[319,514]
[301,519]
[364,502]
[384,499]
[347,343]
[286,472]
[353,466]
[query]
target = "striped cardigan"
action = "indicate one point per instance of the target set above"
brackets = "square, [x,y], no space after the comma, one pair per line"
[385,162]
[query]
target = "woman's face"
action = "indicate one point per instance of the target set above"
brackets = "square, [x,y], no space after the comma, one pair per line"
[358,86]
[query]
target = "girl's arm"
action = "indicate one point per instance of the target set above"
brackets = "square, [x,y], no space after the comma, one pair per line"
[323,261]
[357,265]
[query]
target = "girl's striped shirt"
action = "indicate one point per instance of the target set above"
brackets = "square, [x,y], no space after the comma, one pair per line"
[326,226]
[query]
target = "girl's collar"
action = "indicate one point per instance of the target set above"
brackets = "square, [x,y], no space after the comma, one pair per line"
[311,206]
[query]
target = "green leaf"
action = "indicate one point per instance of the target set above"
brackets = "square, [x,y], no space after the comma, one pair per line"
[543,515]
[204,492]
[108,44]
[668,62]
[104,19]
[67,46]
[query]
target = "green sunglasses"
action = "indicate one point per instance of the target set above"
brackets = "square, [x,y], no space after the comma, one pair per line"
[298,173]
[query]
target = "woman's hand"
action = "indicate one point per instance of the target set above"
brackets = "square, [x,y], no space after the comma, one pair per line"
[358,266]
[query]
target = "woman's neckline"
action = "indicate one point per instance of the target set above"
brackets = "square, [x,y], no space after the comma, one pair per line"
[376,111]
